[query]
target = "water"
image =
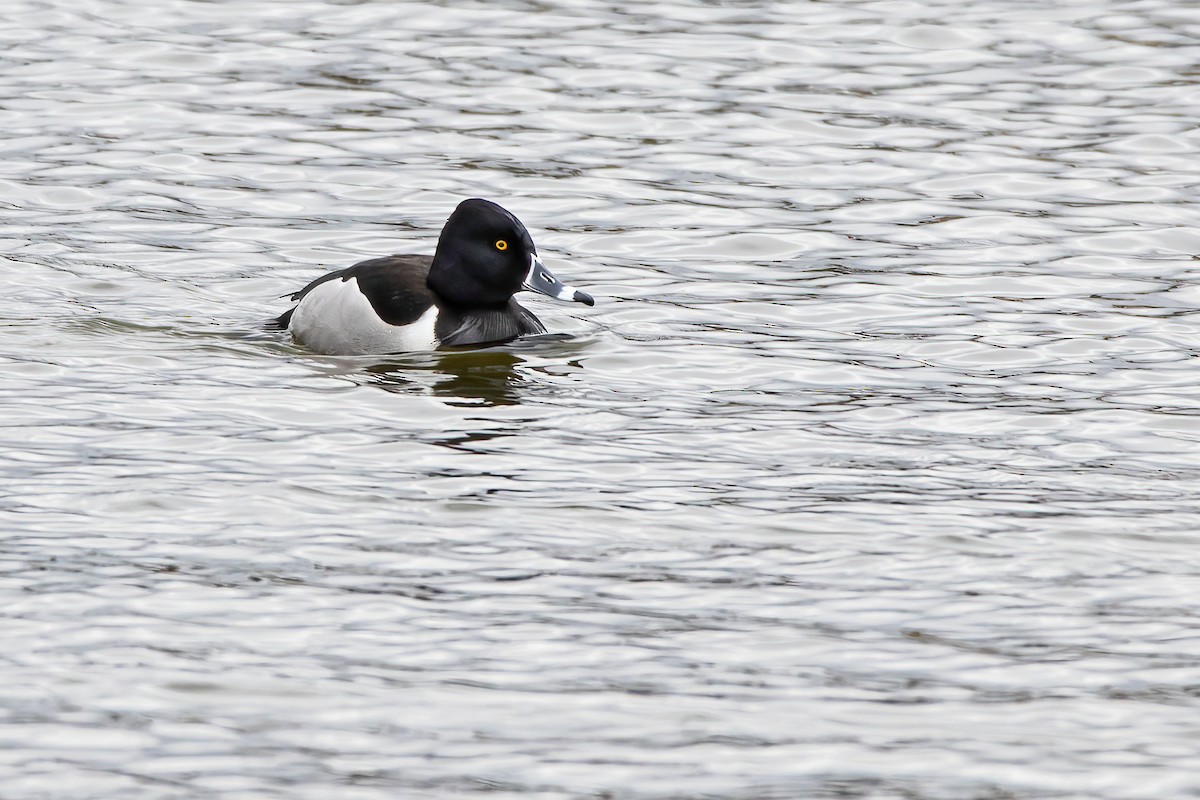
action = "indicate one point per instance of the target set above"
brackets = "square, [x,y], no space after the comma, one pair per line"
[871,474]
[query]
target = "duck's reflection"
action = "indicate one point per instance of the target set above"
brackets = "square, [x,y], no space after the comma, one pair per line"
[464,377]
[498,375]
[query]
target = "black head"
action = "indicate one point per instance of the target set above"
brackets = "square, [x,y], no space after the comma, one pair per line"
[483,255]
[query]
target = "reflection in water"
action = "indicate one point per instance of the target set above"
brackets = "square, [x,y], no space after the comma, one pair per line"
[498,375]
[464,378]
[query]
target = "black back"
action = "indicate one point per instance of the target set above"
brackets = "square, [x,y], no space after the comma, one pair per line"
[395,286]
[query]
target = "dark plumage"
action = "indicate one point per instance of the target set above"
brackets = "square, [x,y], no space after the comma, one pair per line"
[462,295]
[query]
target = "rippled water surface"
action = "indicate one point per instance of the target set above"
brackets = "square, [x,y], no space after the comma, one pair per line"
[873,472]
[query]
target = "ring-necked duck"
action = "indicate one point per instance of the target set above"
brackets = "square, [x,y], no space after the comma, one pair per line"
[462,295]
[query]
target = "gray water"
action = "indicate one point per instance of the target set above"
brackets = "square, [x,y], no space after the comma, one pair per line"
[872,473]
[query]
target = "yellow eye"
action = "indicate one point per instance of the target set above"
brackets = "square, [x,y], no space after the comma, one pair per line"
[501,244]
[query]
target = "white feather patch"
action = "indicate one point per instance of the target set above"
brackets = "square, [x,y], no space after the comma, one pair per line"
[337,319]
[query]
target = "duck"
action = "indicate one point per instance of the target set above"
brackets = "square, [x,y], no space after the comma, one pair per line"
[460,296]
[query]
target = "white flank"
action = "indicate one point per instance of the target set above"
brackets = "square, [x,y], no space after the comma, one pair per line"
[337,319]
